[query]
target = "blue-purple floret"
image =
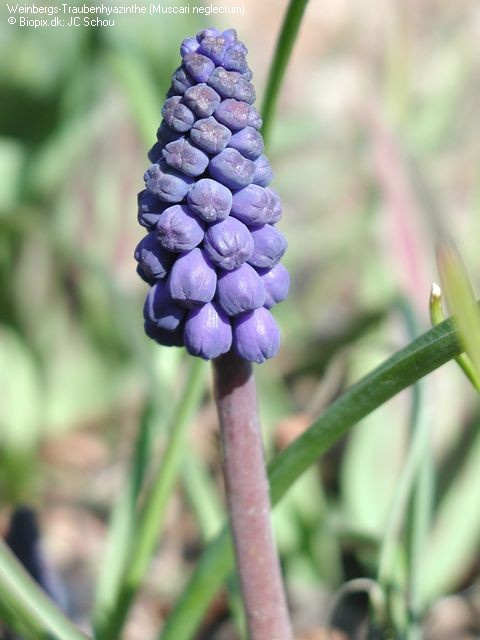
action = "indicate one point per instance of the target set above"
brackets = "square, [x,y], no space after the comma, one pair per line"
[212,252]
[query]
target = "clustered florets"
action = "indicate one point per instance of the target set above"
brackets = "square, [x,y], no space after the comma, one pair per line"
[212,252]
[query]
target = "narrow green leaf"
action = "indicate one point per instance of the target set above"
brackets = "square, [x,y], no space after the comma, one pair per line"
[18,592]
[286,40]
[425,354]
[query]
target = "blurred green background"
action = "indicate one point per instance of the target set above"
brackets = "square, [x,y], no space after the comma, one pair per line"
[376,152]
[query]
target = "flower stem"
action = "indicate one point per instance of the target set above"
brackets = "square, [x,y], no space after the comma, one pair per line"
[248,500]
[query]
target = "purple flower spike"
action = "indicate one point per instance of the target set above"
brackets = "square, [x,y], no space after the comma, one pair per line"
[269,245]
[198,66]
[263,171]
[178,230]
[231,84]
[189,45]
[177,115]
[276,283]
[228,243]
[210,135]
[249,142]
[165,183]
[231,169]
[192,280]
[186,158]
[252,205]
[159,309]
[209,200]
[152,258]
[275,205]
[214,47]
[207,333]
[149,209]
[256,336]
[211,254]
[202,100]
[240,290]
[181,81]
[163,337]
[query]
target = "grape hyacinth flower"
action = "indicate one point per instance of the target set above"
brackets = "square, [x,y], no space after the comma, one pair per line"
[212,257]
[212,251]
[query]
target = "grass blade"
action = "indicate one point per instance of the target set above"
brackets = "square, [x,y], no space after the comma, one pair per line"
[286,40]
[30,603]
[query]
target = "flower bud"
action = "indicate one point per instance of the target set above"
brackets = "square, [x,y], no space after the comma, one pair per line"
[276,282]
[236,115]
[209,200]
[233,113]
[269,245]
[159,309]
[234,60]
[263,171]
[207,333]
[275,205]
[231,169]
[178,230]
[210,135]
[205,33]
[165,183]
[214,47]
[252,205]
[228,243]
[149,209]
[186,158]
[256,336]
[240,290]
[181,81]
[177,115]
[249,142]
[231,84]
[152,258]
[192,280]
[202,100]
[189,45]
[198,66]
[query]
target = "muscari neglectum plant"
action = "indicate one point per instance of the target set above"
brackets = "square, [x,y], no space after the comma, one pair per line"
[211,257]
